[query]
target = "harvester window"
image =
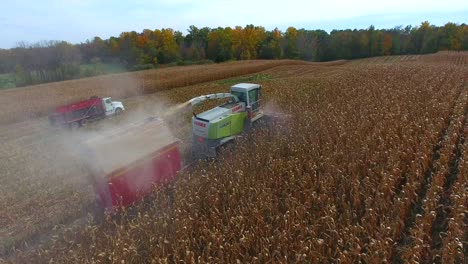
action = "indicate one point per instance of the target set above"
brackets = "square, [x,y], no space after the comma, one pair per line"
[240,95]
[253,97]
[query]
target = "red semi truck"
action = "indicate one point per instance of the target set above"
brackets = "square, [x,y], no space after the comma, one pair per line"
[127,163]
[79,113]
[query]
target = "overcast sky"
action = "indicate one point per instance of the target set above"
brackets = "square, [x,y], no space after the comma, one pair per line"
[78,20]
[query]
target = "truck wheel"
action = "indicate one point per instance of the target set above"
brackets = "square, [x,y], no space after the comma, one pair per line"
[84,122]
[52,121]
[74,125]
[118,111]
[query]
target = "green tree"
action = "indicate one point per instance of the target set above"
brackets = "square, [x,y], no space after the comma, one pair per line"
[450,37]
[271,45]
[220,44]
[169,51]
[22,77]
[196,42]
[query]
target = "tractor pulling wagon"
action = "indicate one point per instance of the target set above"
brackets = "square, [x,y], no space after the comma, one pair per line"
[127,163]
[79,113]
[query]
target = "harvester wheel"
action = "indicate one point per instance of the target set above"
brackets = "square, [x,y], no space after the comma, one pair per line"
[228,147]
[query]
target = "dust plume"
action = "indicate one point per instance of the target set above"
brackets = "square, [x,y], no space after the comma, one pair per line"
[44,170]
[176,109]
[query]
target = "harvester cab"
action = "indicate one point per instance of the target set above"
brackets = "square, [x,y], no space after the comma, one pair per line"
[219,125]
[249,94]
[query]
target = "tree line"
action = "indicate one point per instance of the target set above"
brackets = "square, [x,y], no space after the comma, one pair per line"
[59,60]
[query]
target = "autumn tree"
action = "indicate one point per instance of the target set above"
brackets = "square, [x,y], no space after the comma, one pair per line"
[56,60]
[464,30]
[375,41]
[169,50]
[129,51]
[408,45]
[451,37]
[305,43]
[220,44]
[340,44]
[424,38]
[290,43]
[364,43]
[271,45]
[396,40]
[247,41]
[387,44]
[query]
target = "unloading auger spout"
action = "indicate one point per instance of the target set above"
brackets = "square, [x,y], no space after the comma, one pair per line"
[199,99]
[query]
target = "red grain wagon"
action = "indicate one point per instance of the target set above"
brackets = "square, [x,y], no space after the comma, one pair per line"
[127,163]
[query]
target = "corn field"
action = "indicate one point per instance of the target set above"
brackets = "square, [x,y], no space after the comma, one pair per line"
[370,167]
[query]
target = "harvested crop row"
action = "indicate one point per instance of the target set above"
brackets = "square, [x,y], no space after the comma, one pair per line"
[453,249]
[410,158]
[419,248]
[454,58]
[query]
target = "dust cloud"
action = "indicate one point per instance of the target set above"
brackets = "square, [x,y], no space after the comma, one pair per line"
[129,138]
[273,110]
[176,109]
[45,169]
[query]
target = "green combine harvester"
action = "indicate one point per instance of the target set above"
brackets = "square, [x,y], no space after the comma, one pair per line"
[223,123]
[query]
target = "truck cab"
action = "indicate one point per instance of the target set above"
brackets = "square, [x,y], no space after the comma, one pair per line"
[112,107]
[249,93]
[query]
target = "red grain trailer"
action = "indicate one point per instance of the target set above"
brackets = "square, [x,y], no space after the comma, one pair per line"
[127,163]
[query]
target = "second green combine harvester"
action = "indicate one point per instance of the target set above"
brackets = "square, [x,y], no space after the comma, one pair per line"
[223,123]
